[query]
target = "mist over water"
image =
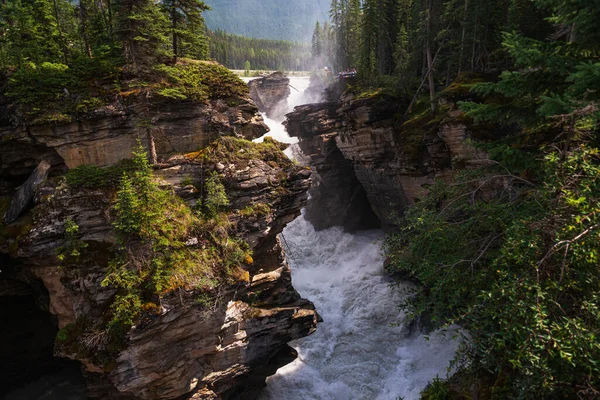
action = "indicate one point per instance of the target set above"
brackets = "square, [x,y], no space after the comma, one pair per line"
[297,97]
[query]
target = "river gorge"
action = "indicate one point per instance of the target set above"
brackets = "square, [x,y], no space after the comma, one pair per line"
[364,347]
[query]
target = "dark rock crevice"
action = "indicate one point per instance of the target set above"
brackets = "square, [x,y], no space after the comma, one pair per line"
[337,196]
[27,332]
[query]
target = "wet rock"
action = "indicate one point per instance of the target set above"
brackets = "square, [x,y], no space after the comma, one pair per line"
[187,350]
[24,195]
[270,93]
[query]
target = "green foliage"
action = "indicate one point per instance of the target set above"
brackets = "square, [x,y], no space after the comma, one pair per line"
[229,149]
[92,176]
[72,250]
[234,51]
[436,390]
[53,92]
[257,210]
[214,199]
[516,264]
[275,20]
[199,81]
[187,28]
[154,256]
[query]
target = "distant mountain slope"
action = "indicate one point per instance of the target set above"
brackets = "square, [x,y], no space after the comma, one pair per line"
[268,19]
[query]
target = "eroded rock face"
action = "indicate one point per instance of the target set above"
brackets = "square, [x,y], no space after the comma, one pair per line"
[393,164]
[189,350]
[112,132]
[270,93]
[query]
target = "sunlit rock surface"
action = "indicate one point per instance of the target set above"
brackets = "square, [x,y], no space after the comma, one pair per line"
[270,93]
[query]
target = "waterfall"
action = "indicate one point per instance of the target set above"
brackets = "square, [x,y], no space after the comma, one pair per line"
[363,348]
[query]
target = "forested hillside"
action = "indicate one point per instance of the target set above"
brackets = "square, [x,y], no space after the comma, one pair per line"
[234,51]
[509,250]
[65,59]
[267,19]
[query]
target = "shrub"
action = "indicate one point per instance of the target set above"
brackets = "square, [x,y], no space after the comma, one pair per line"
[154,257]
[517,265]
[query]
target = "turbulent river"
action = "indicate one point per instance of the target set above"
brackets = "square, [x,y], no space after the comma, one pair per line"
[363,348]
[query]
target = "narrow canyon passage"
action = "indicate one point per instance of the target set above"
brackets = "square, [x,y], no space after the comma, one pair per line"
[364,348]
[29,369]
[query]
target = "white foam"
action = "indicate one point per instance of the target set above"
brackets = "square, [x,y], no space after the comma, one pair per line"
[362,349]
[296,98]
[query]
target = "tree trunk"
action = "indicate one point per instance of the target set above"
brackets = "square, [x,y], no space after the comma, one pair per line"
[151,146]
[60,34]
[462,38]
[84,28]
[430,58]
[110,19]
[174,28]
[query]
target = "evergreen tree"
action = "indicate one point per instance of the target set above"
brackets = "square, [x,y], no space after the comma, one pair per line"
[187,28]
[142,29]
[317,41]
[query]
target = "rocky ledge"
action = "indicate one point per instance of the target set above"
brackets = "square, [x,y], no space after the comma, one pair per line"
[186,349]
[378,161]
[270,93]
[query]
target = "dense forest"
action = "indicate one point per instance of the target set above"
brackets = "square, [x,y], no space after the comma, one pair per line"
[510,250]
[234,51]
[60,60]
[139,31]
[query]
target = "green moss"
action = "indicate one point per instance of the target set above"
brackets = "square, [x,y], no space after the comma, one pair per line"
[255,210]
[57,93]
[229,149]
[460,88]
[11,234]
[198,80]
[420,123]
[4,204]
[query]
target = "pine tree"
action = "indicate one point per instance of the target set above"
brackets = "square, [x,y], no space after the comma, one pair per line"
[317,45]
[552,87]
[142,28]
[187,29]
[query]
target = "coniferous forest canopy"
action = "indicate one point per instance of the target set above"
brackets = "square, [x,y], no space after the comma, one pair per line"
[234,50]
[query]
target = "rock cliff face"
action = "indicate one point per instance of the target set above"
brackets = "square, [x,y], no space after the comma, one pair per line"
[367,143]
[188,350]
[270,93]
[110,134]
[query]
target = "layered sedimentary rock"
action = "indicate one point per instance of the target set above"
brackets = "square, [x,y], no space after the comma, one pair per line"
[189,349]
[270,93]
[393,160]
[109,134]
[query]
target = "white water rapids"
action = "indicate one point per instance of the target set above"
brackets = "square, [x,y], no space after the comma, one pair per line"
[362,349]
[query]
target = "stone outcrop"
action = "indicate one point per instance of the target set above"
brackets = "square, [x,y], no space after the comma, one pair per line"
[392,160]
[111,132]
[270,93]
[24,196]
[189,350]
